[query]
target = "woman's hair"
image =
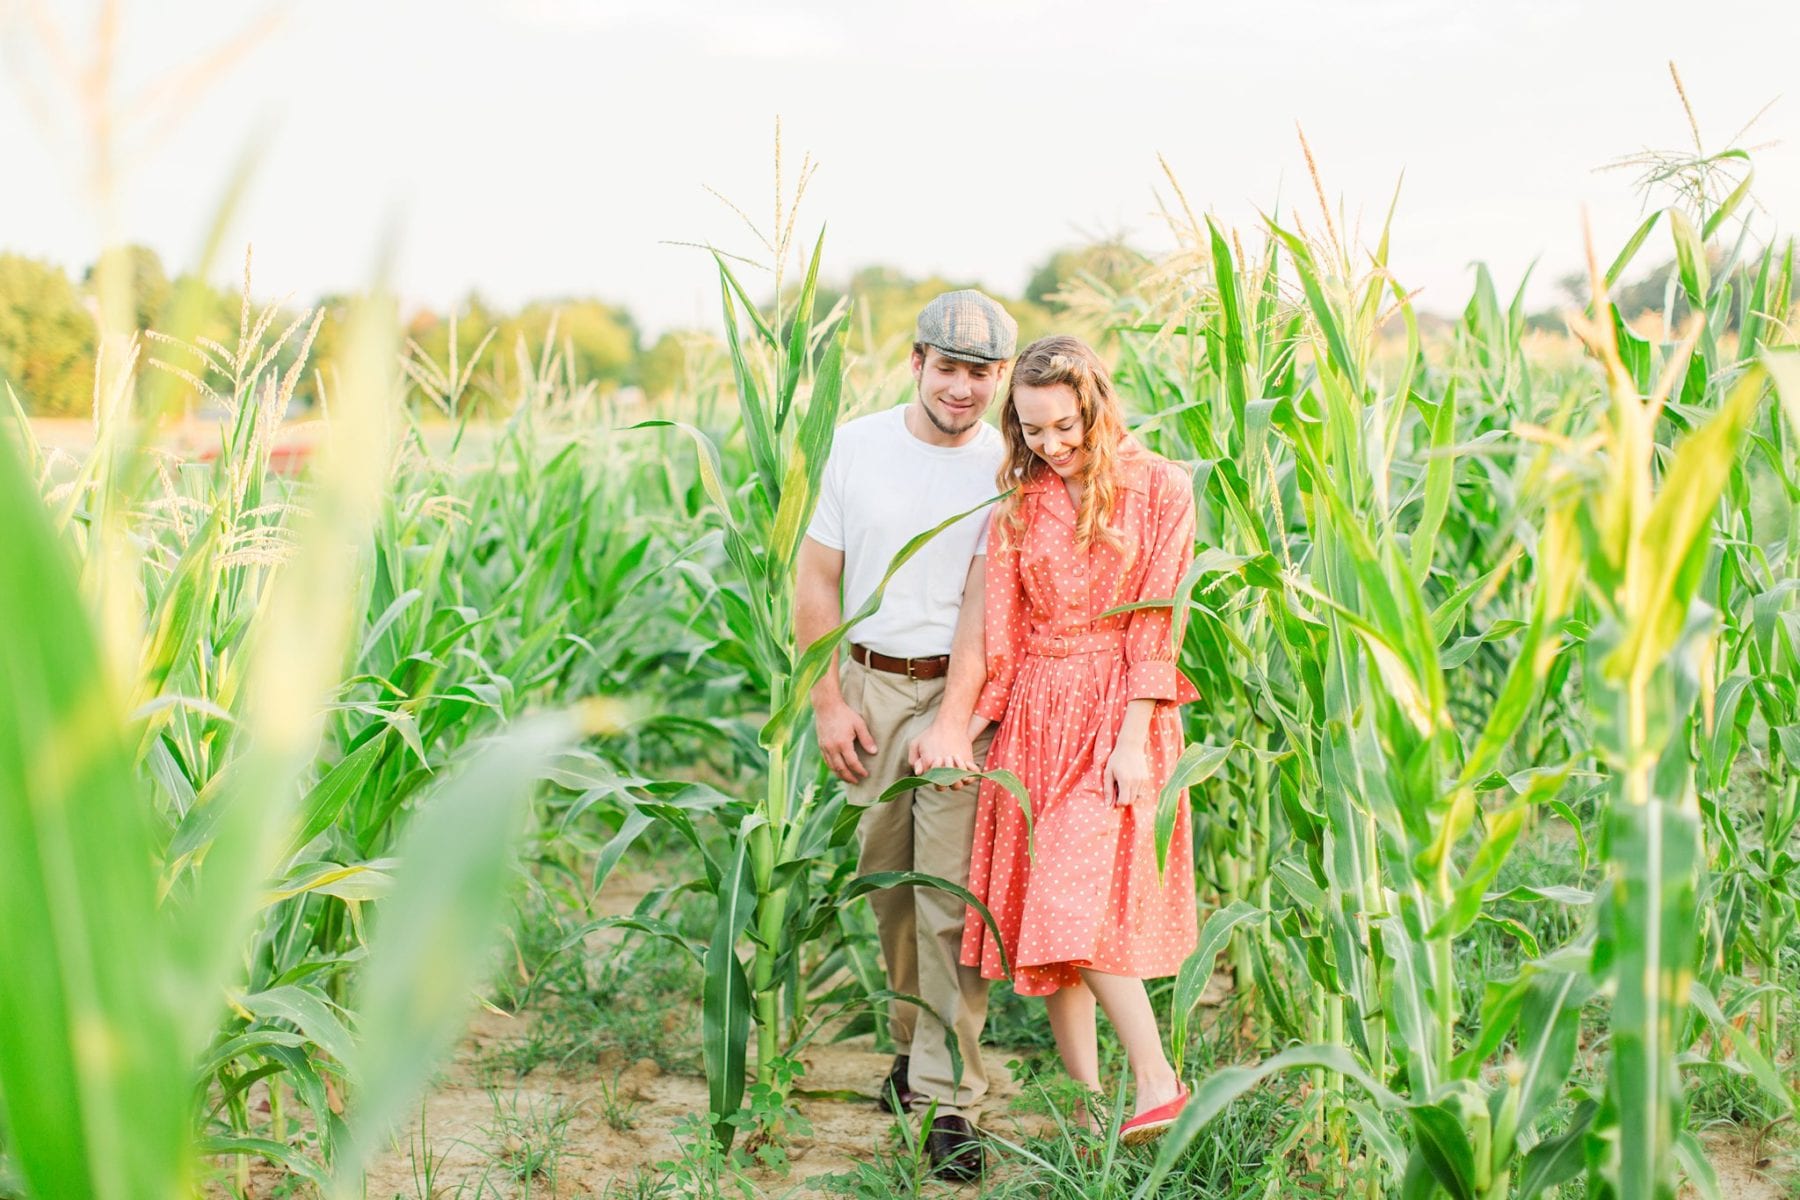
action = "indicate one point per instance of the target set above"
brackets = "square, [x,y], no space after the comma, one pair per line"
[1048,361]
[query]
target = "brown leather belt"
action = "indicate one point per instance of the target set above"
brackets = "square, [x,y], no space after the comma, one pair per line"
[913,668]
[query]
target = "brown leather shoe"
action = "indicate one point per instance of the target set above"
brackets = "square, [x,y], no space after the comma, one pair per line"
[954,1149]
[896,1095]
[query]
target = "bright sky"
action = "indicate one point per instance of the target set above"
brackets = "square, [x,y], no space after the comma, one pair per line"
[529,148]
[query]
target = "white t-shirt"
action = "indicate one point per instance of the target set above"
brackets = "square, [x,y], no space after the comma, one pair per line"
[882,486]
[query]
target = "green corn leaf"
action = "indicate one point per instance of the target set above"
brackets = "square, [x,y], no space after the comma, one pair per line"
[1236,365]
[1445,616]
[279,1153]
[1441,1140]
[432,935]
[93,1067]
[1526,893]
[1322,312]
[1502,831]
[320,810]
[1647,946]
[730,280]
[1440,473]
[940,776]
[877,881]
[635,823]
[1690,258]
[654,927]
[1197,971]
[308,1011]
[711,474]
[1695,1166]
[759,433]
[357,881]
[1379,1134]
[1676,528]
[1622,261]
[1549,1028]
[1517,929]
[1300,885]
[1783,367]
[1197,764]
[183,606]
[725,994]
[800,335]
[1557,1160]
[806,465]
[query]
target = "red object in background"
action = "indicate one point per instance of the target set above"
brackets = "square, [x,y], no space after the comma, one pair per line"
[286,459]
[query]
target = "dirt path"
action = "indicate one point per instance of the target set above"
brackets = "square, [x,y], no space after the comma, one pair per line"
[599,1126]
[475,1130]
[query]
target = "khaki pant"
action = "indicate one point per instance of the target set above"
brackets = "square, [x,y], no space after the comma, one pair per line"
[921,928]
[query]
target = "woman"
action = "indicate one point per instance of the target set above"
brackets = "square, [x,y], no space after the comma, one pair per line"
[1087,711]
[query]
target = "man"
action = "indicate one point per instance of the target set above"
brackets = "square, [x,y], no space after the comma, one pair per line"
[891,476]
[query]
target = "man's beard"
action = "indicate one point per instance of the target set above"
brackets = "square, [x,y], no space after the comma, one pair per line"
[938,422]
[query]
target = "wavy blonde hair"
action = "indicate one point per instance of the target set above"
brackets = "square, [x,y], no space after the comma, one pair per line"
[1061,359]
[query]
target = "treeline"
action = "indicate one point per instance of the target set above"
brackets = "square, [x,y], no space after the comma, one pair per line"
[48,328]
[48,331]
[47,325]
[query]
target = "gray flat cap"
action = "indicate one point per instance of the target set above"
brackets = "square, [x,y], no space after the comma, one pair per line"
[968,326]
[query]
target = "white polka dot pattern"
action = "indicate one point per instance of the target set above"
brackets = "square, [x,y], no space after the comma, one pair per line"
[1059,678]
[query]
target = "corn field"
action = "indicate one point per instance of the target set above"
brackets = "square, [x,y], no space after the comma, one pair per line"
[1495,782]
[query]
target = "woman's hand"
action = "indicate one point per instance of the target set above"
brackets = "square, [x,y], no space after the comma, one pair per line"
[1127,776]
[942,745]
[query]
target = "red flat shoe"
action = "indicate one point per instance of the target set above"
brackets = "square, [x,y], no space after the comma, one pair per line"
[1148,1126]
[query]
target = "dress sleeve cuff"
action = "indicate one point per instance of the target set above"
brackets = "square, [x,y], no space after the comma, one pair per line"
[992,701]
[1152,680]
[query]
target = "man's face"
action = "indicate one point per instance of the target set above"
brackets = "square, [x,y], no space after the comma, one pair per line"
[953,393]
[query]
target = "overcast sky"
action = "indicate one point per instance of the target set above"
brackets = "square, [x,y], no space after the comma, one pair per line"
[525,148]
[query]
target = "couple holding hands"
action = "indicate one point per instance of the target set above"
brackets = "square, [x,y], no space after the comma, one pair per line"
[991,650]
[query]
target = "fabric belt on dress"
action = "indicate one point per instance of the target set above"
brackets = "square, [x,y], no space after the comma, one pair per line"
[1062,645]
[928,667]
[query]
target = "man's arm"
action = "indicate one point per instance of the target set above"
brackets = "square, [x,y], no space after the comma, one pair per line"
[819,609]
[948,741]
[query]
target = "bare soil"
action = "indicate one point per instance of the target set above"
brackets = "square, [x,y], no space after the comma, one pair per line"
[468,1138]
[476,1124]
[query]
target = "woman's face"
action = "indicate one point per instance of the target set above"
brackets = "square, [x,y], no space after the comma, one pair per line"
[1050,419]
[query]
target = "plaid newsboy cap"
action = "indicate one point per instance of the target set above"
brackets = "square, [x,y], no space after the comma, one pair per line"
[968,326]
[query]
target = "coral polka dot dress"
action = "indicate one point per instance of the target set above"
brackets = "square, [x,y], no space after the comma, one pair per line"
[1059,676]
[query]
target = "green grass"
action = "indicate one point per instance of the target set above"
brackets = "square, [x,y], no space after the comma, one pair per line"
[526,1140]
[585,1013]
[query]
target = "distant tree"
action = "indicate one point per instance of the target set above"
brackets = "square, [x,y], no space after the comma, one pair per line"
[1640,295]
[602,340]
[886,302]
[47,338]
[1111,264]
[679,359]
[151,290]
[1649,292]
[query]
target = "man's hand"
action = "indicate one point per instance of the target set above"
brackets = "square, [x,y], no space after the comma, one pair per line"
[841,730]
[942,745]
